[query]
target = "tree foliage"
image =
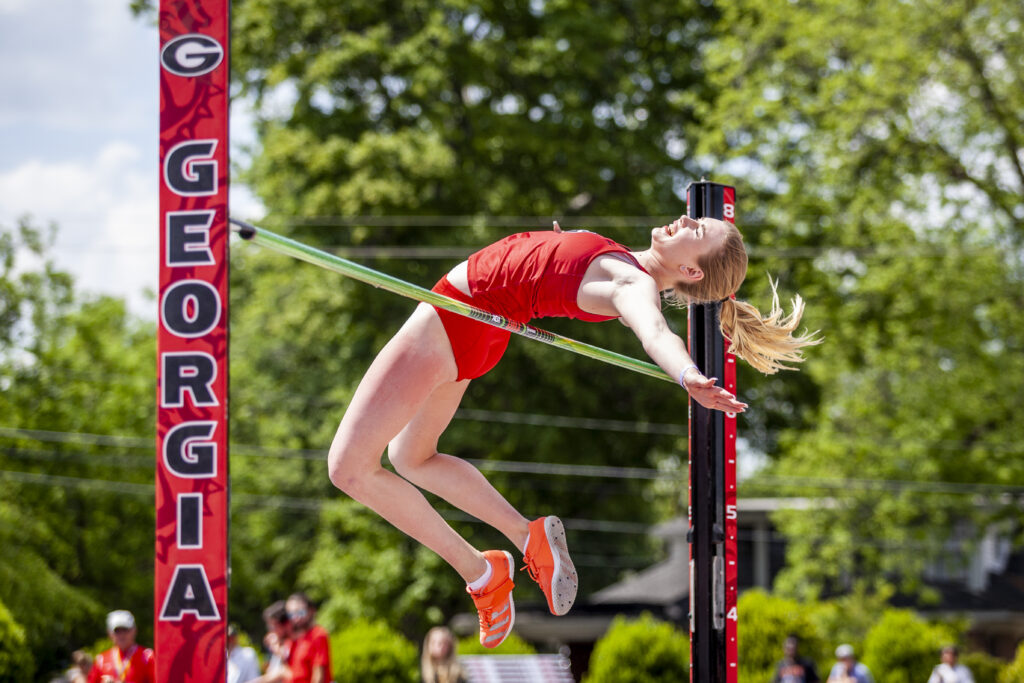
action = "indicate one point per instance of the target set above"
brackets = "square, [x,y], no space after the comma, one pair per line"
[642,650]
[76,510]
[373,651]
[15,658]
[884,142]
[765,622]
[902,645]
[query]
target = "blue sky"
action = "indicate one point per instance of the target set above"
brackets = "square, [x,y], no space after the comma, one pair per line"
[79,89]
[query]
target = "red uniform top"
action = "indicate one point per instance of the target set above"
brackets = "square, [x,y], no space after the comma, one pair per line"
[538,274]
[134,666]
[309,651]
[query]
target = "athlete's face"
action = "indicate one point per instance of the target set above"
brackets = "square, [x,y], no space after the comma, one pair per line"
[686,240]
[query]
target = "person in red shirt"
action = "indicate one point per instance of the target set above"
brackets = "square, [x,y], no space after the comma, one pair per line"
[412,389]
[126,661]
[309,659]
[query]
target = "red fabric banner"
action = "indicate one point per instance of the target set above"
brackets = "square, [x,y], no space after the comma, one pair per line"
[192,354]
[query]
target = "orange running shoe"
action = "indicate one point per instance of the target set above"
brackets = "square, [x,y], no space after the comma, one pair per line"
[494,601]
[547,560]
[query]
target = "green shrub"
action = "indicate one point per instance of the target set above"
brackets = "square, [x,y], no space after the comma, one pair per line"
[1014,671]
[765,621]
[642,650]
[984,666]
[372,651]
[16,663]
[902,645]
[513,645]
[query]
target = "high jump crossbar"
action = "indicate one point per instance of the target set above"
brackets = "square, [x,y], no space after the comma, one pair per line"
[317,257]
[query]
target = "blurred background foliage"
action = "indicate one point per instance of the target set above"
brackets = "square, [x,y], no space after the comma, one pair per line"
[877,153]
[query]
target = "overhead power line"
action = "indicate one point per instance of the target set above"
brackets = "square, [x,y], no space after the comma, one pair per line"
[549,469]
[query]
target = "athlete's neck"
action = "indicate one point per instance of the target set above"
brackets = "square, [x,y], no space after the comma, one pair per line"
[663,274]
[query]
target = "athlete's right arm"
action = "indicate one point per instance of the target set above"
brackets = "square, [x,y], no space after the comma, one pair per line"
[636,299]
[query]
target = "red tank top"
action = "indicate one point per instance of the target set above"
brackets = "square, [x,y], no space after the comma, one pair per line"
[538,274]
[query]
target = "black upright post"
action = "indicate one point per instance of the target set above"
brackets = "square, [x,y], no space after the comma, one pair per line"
[707,513]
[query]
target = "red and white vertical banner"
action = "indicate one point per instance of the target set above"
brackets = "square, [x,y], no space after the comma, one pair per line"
[731,572]
[192,345]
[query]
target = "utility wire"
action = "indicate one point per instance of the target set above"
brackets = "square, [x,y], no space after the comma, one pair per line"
[557,469]
[315,504]
[306,503]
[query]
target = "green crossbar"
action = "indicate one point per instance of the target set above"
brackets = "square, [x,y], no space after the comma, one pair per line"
[359,272]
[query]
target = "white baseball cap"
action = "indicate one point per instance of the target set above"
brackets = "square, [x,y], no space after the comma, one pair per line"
[121,618]
[844,651]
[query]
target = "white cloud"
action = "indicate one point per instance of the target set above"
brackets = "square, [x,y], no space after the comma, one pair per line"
[106,212]
[79,130]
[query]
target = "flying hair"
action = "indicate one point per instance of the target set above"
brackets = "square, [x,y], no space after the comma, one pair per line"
[767,343]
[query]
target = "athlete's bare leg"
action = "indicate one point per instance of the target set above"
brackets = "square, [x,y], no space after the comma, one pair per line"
[401,381]
[414,455]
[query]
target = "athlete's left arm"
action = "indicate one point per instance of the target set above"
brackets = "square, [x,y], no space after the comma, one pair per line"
[635,297]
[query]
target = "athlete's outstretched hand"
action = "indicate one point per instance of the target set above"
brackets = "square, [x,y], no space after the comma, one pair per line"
[556,227]
[704,392]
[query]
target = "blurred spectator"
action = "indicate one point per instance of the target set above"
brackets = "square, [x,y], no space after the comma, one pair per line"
[81,664]
[438,663]
[243,664]
[848,669]
[309,659]
[950,671]
[793,668]
[126,661]
[277,639]
[277,642]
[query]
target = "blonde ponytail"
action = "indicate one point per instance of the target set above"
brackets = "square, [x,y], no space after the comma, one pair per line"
[766,343]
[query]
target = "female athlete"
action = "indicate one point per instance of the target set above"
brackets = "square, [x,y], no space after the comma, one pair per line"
[413,387]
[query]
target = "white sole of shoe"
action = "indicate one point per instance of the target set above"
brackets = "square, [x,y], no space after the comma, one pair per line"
[564,581]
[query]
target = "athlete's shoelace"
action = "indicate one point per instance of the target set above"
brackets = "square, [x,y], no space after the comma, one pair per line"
[531,568]
[484,614]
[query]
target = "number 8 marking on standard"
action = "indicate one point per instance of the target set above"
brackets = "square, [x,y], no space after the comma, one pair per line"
[729,211]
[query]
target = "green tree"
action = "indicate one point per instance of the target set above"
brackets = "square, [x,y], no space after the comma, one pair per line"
[363,565]
[984,667]
[642,650]
[902,647]
[883,143]
[15,660]
[75,507]
[1014,671]
[765,622]
[372,651]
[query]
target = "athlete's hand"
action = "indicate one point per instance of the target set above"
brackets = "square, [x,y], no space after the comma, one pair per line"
[556,227]
[703,390]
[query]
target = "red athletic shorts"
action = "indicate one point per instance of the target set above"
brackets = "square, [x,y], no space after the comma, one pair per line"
[477,346]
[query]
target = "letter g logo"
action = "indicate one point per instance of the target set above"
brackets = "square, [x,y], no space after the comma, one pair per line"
[192,54]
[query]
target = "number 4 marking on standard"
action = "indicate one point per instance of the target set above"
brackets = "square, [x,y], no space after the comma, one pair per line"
[733,615]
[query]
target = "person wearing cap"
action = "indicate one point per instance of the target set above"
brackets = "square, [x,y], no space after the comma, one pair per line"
[950,670]
[126,661]
[243,664]
[848,669]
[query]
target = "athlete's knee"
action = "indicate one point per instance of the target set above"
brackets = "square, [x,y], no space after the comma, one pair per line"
[346,470]
[407,457]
